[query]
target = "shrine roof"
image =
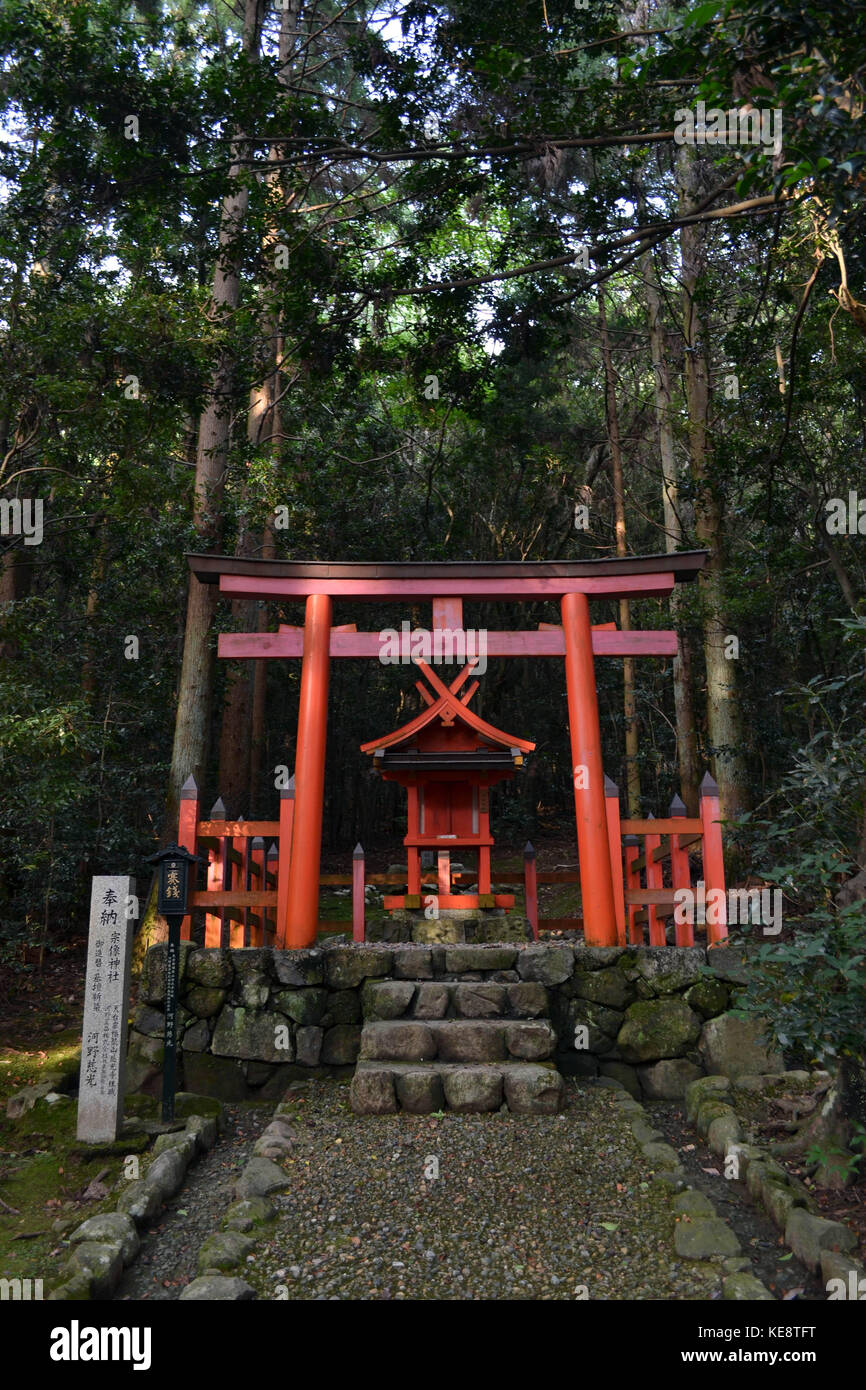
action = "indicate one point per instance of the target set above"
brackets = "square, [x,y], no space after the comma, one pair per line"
[683,564]
[446,707]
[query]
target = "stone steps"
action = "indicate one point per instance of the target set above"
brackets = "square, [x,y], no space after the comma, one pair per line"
[380,1088]
[458,1040]
[383,1000]
[426,1046]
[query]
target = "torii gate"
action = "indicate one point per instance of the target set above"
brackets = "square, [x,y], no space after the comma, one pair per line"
[571,583]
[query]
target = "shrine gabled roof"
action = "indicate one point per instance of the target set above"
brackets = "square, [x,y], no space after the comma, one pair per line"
[447,707]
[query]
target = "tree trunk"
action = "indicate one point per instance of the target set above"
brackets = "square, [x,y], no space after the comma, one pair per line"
[687,738]
[632,767]
[724,718]
[189,752]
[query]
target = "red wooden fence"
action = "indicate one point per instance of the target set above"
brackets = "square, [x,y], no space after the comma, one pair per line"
[247,887]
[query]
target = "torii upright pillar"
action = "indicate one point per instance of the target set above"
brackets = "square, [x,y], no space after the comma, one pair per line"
[302,916]
[596,884]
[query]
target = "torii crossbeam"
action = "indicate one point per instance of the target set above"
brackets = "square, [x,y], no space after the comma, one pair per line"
[570,583]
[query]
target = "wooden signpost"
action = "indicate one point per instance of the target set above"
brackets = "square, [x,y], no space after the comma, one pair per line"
[106,1003]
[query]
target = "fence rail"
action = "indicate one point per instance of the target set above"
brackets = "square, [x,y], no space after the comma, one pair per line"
[246,898]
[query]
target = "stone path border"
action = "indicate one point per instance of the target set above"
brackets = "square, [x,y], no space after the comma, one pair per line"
[104,1245]
[227,1250]
[699,1233]
[822,1246]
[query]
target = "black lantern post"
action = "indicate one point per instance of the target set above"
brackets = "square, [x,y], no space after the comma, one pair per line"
[173,864]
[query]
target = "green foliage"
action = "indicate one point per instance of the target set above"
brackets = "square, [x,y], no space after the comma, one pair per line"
[810,985]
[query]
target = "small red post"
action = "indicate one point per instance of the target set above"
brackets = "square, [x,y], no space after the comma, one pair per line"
[358,900]
[680,876]
[257,877]
[444,871]
[714,860]
[632,880]
[187,831]
[530,878]
[272,870]
[217,881]
[654,879]
[614,839]
[239,930]
[284,863]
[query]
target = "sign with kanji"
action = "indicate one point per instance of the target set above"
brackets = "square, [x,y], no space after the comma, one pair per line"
[103,1040]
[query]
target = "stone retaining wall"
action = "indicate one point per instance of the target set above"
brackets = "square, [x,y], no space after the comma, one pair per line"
[653,1018]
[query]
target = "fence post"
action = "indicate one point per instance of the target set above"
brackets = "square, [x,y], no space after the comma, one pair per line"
[187,830]
[359,902]
[239,932]
[680,876]
[272,868]
[654,879]
[257,876]
[284,863]
[216,881]
[530,879]
[714,861]
[614,840]
[631,846]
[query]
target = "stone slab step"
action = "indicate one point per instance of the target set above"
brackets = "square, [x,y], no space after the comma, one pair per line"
[384,1000]
[420,1089]
[458,1040]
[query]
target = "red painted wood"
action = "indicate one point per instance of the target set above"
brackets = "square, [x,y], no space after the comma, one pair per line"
[215,883]
[654,883]
[457,842]
[523,589]
[284,863]
[448,612]
[447,708]
[530,874]
[714,859]
[664,826]
[237,829]
[548,642]
[632,884]
[358,900]
[257,876]
[239,931]
[234,897]
[186,838]
[681,878]
[303,908]
[614,839]
[598,907]
[392,901]
[443,864]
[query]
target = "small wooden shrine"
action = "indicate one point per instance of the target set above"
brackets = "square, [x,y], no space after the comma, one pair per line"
[448,758]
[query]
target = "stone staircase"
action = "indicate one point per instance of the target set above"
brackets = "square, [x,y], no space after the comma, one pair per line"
[470,1040]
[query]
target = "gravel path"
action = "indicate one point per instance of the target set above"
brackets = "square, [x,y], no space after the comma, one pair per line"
[523,1208]
[169,1250]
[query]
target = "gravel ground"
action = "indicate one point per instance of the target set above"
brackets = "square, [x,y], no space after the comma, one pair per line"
[169,1250]
[523,1208]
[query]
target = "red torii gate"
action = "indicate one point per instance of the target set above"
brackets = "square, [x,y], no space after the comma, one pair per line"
[446,585]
